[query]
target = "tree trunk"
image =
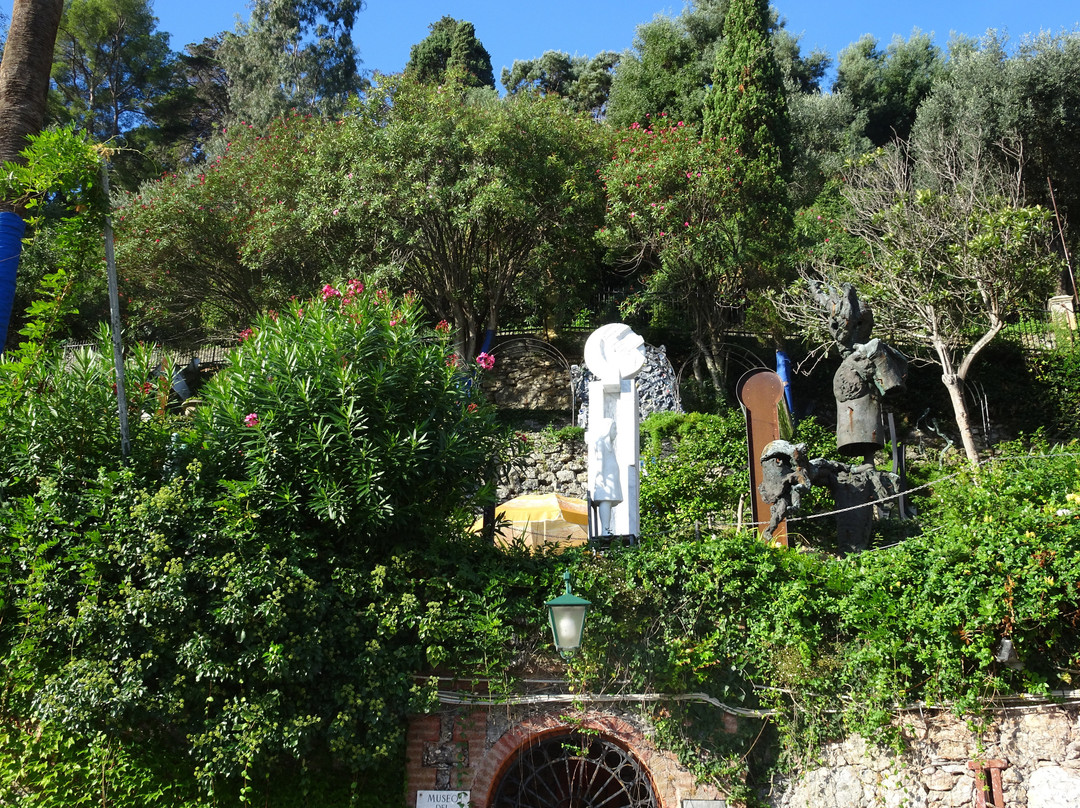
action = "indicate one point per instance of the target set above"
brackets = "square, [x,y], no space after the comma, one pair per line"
[955,385]
[24,75]
[709,360]
[24,85]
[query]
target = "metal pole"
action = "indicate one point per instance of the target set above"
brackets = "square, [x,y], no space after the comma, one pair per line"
[114,312]
[1065,250]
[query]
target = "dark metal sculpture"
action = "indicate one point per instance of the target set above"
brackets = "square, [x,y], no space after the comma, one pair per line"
[787,475]
[870,370]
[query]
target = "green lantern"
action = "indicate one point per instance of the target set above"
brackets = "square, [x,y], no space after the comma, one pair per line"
[567,616]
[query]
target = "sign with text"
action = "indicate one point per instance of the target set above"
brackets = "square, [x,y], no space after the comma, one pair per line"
[442,799]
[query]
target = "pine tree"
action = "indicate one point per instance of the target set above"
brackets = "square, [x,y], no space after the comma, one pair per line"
[292,54]
[746,105]
[451,45]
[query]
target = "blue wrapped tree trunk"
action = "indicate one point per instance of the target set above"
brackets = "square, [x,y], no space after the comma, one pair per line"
[11,233]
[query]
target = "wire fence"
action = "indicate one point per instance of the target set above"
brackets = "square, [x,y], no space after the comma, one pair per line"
[208,353]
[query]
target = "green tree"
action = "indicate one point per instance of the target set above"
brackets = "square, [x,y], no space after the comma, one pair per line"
[672,60]
[451,47]
[706,219]
[292,54]
[204,250]
[1027,98]
[110,65]
[1044,72]
[189,118]
[826,132]
[673,218]
[111,68]
[477,203]
[889,85]
[953,251]
[746,111]
[746,105]
[668,67]
[584,82]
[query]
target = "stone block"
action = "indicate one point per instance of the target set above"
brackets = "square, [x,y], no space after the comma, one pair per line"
[1053,787]
[939,780]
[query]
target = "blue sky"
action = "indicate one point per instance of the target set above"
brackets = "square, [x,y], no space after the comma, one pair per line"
[509,30]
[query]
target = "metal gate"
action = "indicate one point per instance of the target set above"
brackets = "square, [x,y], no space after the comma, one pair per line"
[574,770]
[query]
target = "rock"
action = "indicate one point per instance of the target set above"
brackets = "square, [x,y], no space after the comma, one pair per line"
[658,390]
[939,780]
[1053,787]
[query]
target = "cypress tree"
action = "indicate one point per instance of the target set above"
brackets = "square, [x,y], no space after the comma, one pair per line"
[451,45]
[746,104]
[746,116]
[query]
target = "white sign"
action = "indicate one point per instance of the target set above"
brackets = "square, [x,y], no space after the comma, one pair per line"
[442,799]
[703,804]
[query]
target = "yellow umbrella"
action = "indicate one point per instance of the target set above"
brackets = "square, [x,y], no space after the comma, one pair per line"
[539,519]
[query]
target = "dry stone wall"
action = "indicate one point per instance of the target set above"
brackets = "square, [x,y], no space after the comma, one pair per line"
[545,465]
[528,382]
[1038,747]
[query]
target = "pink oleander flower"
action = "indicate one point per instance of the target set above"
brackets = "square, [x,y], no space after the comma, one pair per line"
[486,361]
[443,327]
[355,287]
[329,291]
[246,334]
[452,360]
[251,419]
[472,408]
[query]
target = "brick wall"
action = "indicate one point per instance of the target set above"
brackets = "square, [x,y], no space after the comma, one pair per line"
[468,750]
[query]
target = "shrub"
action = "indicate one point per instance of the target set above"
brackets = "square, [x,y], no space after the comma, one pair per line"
[693,470]
[1057,372]
[240,610]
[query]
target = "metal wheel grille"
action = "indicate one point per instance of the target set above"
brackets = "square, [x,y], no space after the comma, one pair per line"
[574,771]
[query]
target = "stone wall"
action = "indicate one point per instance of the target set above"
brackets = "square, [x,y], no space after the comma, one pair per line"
[545,465]
[1038,749]
[523,380]
[529,381]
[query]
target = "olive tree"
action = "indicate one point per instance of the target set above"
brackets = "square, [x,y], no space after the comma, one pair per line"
[952,250]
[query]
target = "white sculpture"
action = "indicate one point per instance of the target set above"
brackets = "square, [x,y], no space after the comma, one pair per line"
[615,355]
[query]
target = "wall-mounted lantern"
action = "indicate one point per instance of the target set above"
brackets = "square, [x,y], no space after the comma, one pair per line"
[567,616]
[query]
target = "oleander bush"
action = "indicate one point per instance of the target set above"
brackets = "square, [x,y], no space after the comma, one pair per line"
[213,614]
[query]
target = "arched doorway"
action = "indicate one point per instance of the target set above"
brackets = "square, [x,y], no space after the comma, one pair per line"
[574,770]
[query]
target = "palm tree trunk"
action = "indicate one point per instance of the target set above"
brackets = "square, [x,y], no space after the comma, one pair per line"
[24,85]
[24,75]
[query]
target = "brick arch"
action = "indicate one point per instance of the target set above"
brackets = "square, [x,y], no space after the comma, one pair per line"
[504,751]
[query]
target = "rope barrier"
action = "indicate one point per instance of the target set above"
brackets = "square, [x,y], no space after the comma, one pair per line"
[728,525]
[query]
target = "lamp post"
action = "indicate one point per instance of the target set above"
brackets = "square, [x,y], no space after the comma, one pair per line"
[566,614]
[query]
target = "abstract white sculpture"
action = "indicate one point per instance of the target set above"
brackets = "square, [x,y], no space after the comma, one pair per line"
[615,355]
